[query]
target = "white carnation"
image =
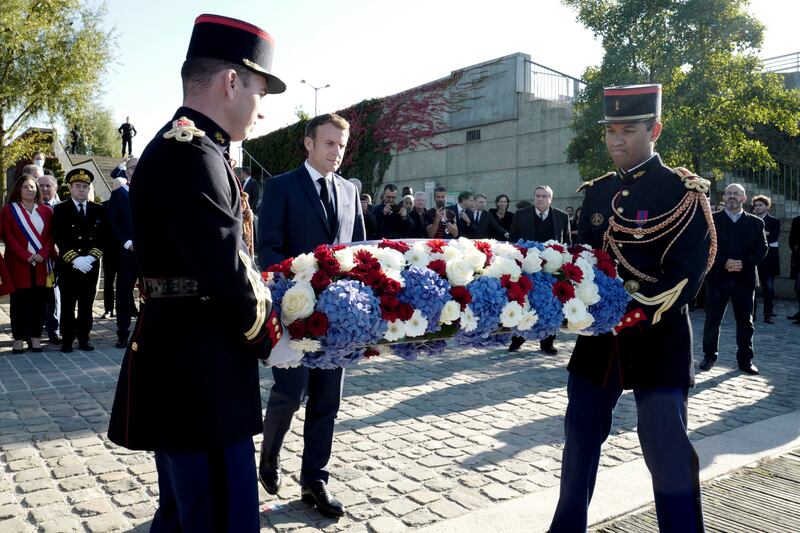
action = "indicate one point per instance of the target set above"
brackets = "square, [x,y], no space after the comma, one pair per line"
[588,292]
[416,325]
[459,272]
[589,256]
[451,253]
[501,266]
[532,262]
[450,312]
[391,260]
[511,314]
[586,268]
[305,345]
[418,255]
[575,311]
[552,260]
[528,320]
[469,322]
[304,266]
[395,331]
[298,302]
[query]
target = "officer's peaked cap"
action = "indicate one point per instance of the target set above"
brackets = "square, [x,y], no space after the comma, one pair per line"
[79,174]
[631,103]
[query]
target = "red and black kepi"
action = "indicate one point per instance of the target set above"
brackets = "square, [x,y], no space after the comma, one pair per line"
[632,103]
[238,42]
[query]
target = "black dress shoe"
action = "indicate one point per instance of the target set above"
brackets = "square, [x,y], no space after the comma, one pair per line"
[54,339]
[707,363]
[516,343]
[66,348]
[316,493]
[85,346]
[768,320]
[548,348]
[269,474]
[122,340]
[17,351]
[749,368]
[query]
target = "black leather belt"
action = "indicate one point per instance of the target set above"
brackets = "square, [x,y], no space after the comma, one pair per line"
[170,287]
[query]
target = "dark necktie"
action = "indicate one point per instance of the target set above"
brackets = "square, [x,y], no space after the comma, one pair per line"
[326,202]
[81,211]
[541,217]
[477,217]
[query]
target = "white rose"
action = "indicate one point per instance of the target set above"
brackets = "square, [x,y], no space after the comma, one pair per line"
[469,322]
[450,312]
[417,324]
[345,258]
[298,302]
[304,266]
[452,252]
[504,249]
[577,327]
[475,258]
[532,262]
[553,260]
[575,311]
[528,320]
[588,292]
[395,331]
[511,314]
[459,272]
[391,259]
[501,266]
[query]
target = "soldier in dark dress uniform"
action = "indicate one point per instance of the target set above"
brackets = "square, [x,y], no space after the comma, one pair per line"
[81,232]
[188,387]
[656,223]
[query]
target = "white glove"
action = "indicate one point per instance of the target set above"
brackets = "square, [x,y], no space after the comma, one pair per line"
[82,263]
[90,259]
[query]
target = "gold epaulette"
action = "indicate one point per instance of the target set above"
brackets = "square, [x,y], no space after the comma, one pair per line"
[692,181]
[592,182]
[183,130]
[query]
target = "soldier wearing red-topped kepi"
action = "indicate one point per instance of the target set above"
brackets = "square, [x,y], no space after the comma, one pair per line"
[189,385]
[656,223]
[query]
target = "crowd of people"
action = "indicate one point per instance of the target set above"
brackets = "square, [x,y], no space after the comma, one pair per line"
[54,248]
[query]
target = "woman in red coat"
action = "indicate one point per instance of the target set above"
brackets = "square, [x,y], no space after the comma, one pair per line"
[25,224]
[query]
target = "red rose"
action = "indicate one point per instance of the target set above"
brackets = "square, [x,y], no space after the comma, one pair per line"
[317,324]
[404,311]
[461,295]
[329,264]
[439,266]
[516,293]
[297,329]
[284,267]
[389,301]
[389,315]
[375,279]
[391,286]
[608,268]
[436,246]
[572,272]
[564,291]
[320,281]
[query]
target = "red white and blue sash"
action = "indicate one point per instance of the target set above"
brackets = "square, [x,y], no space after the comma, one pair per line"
[32,235]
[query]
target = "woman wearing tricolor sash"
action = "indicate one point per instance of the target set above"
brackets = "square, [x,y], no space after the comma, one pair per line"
[26,230]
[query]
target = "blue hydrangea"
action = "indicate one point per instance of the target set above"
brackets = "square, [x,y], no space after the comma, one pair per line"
[410,351]
[488,300]
[546,305]
[530,244]
[331,359]
[490,341]
[427,291]
[354,315]
[278,288]
[612,305]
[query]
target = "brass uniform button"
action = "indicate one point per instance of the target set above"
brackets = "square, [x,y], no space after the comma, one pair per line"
[626,192]
[274,321]
[632,286]
[620,210]
[134,346]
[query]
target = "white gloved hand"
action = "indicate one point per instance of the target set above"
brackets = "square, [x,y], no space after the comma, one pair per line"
[81,263]
[90,259]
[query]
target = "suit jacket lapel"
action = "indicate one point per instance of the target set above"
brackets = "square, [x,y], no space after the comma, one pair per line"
[556,225]
[313,196]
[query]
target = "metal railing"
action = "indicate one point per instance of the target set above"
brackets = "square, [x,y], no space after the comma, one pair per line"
[549,84]
[257,170]
[782,185]
[784,63]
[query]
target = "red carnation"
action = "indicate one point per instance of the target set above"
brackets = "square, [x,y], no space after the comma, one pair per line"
[321,249]
[297,329]
[505,279]
[439,266]
[525,283]
[317,324]
[608,268]
[522,250]
[461,295]
[572,272]
[320,281]
[400,246]
[557,247]
[404,311]
[329,264]
[375,279]
[486,248]
[601,255]
[284,267]
[436,246]
[564,291]
[391,286]
[338,247]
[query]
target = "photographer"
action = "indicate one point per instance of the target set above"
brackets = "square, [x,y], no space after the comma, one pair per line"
[440,222]
[393,219]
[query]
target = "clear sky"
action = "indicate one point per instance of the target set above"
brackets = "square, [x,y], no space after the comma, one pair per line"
[362,48]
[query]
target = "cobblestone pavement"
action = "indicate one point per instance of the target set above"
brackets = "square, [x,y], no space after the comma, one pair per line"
[415,442]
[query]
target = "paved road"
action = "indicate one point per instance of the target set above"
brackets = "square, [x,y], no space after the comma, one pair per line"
[416,443]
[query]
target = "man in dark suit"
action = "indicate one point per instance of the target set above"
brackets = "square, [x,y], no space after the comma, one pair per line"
[486,226]
[128,132]
[188,387]
[80,230]
[464,214]
[308,206]
[392,218]
[251,186]
[741,246]
[119,217]
[540,223]
[771,265]
[662,265]
[794,274]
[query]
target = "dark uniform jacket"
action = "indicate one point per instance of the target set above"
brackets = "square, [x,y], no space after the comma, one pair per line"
[771,265]
[656,351]
[189,378]
[77,235]
[794,246]
[522,227]
[749,245]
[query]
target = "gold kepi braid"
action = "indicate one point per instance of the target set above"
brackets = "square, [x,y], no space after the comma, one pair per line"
[682,215]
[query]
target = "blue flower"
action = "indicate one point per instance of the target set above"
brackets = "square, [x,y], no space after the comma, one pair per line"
[612,305]
[411,350]
[278,288]
[488,299]
[530,244]
[546,305]
[490,341]
[427,291]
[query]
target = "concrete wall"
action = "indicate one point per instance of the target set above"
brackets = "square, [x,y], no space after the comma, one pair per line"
[522,145]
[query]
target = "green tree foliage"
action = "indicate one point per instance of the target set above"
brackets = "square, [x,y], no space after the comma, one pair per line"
[53,54]
[716,100]
[98,133]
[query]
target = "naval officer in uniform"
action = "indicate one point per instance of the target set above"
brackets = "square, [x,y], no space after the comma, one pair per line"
[188,387]
[656,223]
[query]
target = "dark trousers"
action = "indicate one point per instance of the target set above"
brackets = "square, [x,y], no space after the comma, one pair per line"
[212,491]
[126,279]
[50,320]
[323,388]
[129,143]
[110,266]
[717,295]
[767,282]
[77,288]
[27,313]
[668,453]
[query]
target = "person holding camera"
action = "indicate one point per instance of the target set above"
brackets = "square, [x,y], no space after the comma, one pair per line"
[392,218]
[440,222]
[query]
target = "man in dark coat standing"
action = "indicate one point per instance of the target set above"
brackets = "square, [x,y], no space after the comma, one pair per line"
[306,207]
[540,223]
[189,383]
[662,263]
[771,265]
[742,245]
